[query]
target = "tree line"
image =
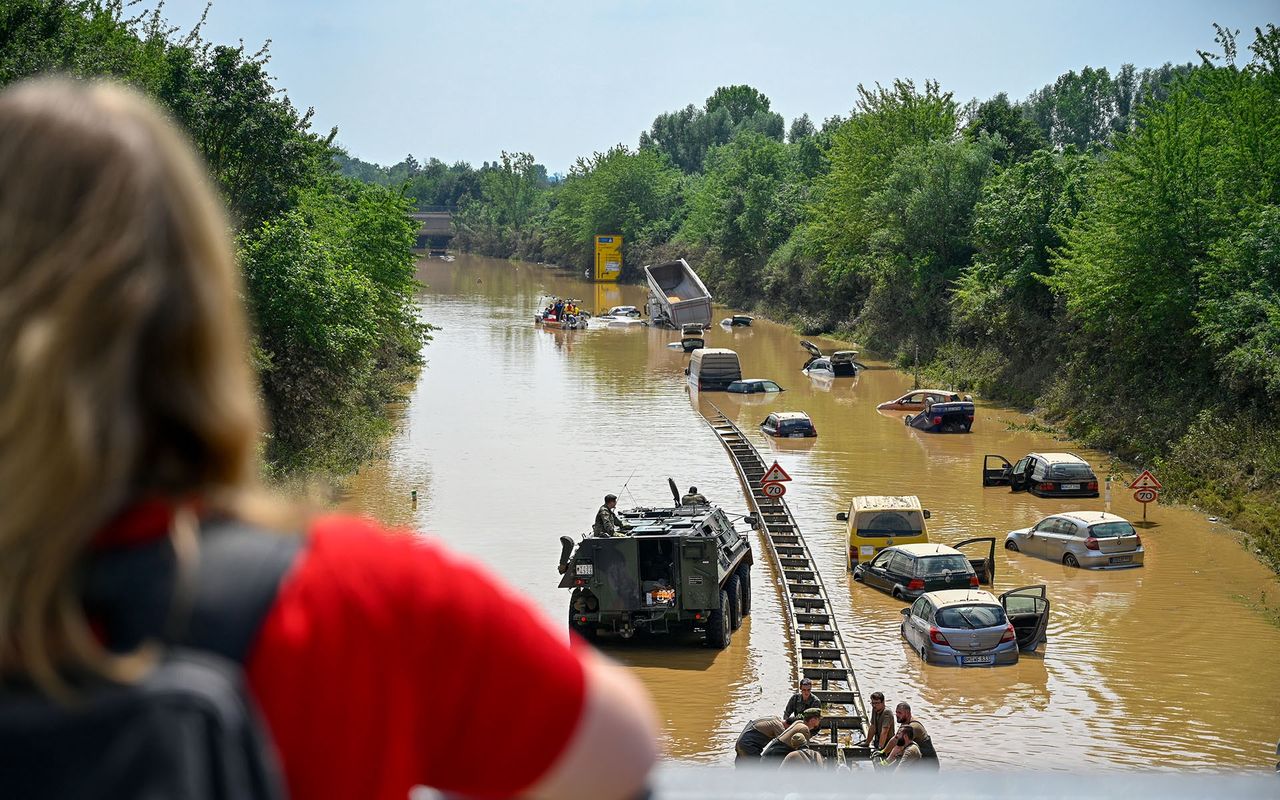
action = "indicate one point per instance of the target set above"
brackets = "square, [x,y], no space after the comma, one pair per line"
[1106,250]
[327,259]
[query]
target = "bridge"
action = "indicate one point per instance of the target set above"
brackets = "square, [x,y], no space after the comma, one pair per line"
[435,227]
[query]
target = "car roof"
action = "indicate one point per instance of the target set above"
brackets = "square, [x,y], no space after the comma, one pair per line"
[714,351]
[1091,517]
[882,502]
[926,549]
[956,597]
[1060,457]
[755,380]
[932,391]
[786,415]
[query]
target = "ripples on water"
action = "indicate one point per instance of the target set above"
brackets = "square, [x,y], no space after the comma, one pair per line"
[513,435]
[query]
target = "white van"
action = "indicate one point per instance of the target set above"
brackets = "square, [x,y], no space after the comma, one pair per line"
[713,368]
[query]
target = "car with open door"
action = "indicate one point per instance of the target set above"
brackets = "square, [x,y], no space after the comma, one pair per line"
[840,364]
[971,627]
[1042,474]
[1093,539]
[910,570]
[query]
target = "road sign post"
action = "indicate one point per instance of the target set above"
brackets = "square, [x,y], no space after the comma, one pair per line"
[1146,490]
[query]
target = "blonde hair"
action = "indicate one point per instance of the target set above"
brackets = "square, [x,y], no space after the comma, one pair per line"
[123,349]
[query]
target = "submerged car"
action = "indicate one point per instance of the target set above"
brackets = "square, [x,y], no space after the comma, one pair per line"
[841,363]
[1042,474]
[691,337]
[910,570]
[950,417]
[917,400]
[788,424]
[737,320]
[1092,539]
[753,386]
[971,627]
[624,311]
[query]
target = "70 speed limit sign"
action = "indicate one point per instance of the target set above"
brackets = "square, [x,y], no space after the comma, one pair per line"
[773,489]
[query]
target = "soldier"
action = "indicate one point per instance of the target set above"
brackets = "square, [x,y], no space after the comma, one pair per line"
[919,737]
[805,698]
[692,498]
[754,737]
[778,749]
[881,728]
[608,523]
[911,756]
[801,754]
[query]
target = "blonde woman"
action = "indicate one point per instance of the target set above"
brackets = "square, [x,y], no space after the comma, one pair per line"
[129,425]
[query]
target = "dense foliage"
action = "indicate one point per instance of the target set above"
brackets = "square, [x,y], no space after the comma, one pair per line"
[327,259]
[1107,249]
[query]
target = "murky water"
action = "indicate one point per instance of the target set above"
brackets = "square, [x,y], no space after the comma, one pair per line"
[514,433]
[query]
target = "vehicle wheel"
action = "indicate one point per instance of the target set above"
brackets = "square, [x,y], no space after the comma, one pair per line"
[744,590]
[719,631]
[733,589]
[1070,560]
[897,595]
[586,632]
[1011,545]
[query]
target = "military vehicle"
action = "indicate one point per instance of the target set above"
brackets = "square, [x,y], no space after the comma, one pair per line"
[677,570]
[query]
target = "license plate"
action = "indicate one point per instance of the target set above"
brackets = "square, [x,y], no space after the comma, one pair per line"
[795,435]
[1121,559]
[975,660]
[1070,486]
[586,569]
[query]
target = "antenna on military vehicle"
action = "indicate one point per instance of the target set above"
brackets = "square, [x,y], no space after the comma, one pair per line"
[628,491]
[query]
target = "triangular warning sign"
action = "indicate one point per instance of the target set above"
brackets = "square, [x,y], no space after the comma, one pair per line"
[1146,481]
[775,473]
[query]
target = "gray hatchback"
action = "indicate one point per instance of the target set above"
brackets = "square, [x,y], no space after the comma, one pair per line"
[970,627]
[1093,539]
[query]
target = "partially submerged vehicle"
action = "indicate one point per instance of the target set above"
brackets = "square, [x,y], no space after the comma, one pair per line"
[624,311]
[917,399]
[691,337]
[677,295]
[1042,474]
[788,425]
[753,386]
[907,571]
[972,628]
[713,368]
[949,417]
[622,317]
[880,521]
[738,320]
[682,568]
[840,364]
[1093,539]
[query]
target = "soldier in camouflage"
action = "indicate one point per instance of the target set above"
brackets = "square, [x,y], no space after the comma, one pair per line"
[608,523]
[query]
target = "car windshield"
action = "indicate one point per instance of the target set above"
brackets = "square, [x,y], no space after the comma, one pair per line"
[975,616]
[1068,471]
[1111,530]
[889,523]
[935,566]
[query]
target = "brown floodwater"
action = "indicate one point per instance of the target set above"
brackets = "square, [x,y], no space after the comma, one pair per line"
[514,433]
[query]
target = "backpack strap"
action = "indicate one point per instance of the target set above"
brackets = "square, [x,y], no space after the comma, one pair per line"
[131,592]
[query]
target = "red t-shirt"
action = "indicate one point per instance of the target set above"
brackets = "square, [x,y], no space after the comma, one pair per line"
[387,662]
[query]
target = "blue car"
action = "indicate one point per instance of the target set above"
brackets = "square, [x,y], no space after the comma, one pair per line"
[949,417]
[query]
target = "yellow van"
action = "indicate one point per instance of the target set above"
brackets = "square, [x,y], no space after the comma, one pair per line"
[880,521]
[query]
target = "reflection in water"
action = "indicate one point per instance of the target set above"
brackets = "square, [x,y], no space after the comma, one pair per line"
[513,434]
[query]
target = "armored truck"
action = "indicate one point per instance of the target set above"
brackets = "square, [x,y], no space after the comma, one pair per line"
[677,570]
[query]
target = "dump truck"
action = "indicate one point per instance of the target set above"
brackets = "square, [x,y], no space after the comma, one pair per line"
[677,296]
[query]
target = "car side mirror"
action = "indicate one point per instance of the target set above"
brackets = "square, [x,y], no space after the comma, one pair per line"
[927,515]
[905,612]
[842,516]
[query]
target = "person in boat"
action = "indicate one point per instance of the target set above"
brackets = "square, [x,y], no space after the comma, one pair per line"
[755,736]
[608,523]
[559,309]
[801,756]
[131,426]
[808,724]
[693,498]
[920,737]
[801,700]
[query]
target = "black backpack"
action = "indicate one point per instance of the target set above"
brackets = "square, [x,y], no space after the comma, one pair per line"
[188,730]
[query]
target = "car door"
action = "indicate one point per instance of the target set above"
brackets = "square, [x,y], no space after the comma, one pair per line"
[984,564]
[995,470]
[1036,542]
[901,569]
[770,424]
[877,572]
[1020,474]
[916,621]
[1058,540]
[1027,608]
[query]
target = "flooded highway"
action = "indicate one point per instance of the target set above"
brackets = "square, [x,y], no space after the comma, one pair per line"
[513,434]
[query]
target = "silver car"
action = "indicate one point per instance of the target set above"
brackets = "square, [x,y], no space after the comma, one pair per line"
[1092,539]
[970,627]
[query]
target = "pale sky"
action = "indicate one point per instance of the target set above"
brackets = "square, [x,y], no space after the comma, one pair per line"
[467,79]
